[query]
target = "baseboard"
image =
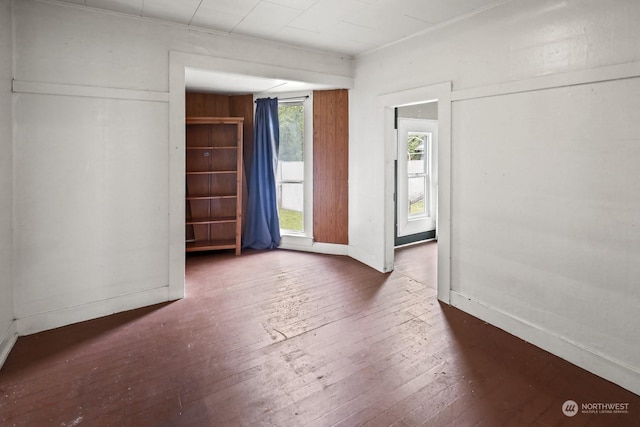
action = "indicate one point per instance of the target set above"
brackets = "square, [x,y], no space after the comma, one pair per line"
[317,247]
[54,319]
[7,341]
[592,361]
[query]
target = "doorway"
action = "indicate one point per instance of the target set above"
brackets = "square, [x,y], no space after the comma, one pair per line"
[416,175]
[440,96]
[228,72]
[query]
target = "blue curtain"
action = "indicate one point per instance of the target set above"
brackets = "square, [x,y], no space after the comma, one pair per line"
[262,227]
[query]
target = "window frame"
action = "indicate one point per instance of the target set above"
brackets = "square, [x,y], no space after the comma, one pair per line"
[292,239]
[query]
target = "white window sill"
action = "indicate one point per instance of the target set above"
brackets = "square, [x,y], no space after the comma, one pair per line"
[295,240]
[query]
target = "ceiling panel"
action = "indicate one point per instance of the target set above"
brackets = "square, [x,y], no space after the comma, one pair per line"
[266,18]
[360,34]
[132,7]
[326,13]
[240,7]
[438,11]
[170,10]
[320,40]
[207,16]
[295,4]
[384,19]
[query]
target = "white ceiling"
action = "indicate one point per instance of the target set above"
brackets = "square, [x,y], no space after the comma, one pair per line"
[348,27]
[197,80]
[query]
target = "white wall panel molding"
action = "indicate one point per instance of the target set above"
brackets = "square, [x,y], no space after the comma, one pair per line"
[32,324]
[44,88]
[576,353]
[551,81]
[7,340]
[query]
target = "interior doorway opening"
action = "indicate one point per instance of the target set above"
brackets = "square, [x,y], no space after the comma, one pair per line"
[206,74]
[416,173]
[439,98]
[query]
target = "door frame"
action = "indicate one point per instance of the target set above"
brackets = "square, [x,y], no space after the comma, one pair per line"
[386,104]
[178,62]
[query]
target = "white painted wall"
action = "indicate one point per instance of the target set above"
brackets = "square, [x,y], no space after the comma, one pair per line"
[545,195]
[93,158]
[419,111]
[7,326]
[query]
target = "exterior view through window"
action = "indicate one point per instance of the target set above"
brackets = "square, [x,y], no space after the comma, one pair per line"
[418,173]
[290,172]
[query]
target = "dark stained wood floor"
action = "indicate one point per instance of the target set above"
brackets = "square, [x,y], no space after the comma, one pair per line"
[295,339]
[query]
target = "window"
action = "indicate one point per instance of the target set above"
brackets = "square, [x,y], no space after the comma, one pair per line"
[418,149]
[293,176]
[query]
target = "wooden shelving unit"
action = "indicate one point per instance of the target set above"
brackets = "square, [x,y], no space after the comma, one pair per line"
[214,183]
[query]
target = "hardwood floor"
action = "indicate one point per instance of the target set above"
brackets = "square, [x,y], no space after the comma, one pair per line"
[295,339]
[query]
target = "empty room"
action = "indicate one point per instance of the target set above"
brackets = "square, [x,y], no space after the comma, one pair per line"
[319,212]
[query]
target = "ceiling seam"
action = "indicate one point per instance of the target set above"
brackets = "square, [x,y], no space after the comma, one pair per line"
[194,12]
[245,16]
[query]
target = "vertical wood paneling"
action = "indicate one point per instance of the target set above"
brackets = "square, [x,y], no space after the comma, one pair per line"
[206,105]
[331,166]
[214,105]
[242,106]
[341,180]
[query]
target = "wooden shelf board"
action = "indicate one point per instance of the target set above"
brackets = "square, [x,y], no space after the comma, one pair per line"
[213,148]
[204,245]
[211,196]
[214,120]
[210,172]
[213,220]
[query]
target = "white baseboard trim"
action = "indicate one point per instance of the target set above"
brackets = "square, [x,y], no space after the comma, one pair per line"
[7,341]
[317,247]
[54,319]
[599,364]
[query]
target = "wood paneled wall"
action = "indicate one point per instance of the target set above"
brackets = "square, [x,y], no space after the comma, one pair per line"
[242,106]
[207,105]
[331,166]
[213,105]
